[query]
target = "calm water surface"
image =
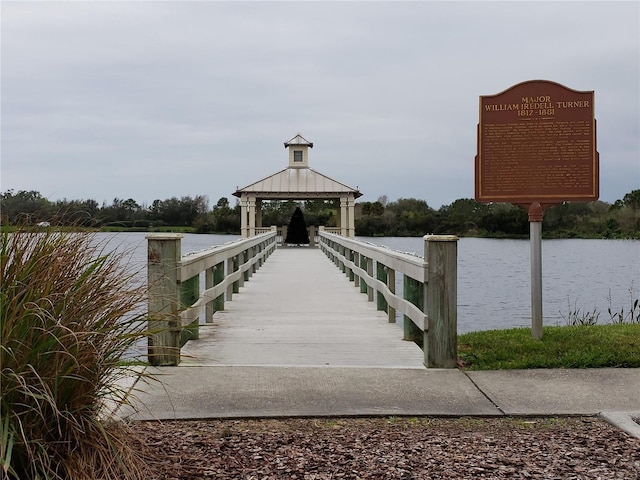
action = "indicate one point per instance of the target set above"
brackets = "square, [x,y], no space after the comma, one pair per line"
[494,276]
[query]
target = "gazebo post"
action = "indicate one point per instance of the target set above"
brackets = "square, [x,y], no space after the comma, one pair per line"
[252,215]
[244,216]
[258,212]
[351,210]
[344,217]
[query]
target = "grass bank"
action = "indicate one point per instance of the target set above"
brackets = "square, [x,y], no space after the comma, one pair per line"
[581,346]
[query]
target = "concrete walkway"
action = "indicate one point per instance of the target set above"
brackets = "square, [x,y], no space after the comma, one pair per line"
[227,392]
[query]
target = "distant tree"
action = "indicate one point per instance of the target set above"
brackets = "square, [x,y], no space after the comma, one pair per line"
[632,200]
[77,212]
[461,216]
[372,225]
[223,202]
[180,212]
[411,217]
[297,231]
[25,207]
[224,218]
[319,212]
[627,213]
[124,212]
[372,208]
[194,208]
[505,219]
[277,212]
[383,200]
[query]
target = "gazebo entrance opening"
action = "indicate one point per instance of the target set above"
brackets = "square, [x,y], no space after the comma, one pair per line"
[297,182]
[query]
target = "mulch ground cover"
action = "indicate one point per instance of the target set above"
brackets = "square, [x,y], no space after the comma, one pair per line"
[391,448]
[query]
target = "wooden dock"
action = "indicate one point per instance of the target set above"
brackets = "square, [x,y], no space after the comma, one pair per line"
[300,310]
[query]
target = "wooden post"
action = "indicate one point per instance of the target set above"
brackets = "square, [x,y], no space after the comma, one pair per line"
[254,252]
[258,251]
[346,253]
[414,293]
[391,285]
[163,255]
[370,273]
[236,267]
[218,276]
[274,240]
[356,261]
[363,265]
[208,283]
[312,235]
[381,274]
[229,270]
[352,256]
[189,294]
[245,275]
[441,337]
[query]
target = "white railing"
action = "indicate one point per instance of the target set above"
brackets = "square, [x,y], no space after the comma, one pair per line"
[429,301]
[175,302]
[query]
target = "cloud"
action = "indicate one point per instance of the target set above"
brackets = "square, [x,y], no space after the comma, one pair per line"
[158,99]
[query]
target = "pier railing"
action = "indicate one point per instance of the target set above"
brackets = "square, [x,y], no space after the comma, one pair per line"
[429,300]
[175,302]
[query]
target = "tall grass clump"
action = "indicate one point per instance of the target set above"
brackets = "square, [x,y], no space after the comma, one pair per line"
[68,312]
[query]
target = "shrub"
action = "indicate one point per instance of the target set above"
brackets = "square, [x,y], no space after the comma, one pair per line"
[68,312]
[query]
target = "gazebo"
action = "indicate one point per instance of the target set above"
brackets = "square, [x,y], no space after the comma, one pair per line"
[296,182]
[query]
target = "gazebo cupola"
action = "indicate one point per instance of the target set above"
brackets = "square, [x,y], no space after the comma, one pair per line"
[298,151]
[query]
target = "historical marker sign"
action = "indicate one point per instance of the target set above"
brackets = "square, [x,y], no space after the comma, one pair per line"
[537,147]
[537,144]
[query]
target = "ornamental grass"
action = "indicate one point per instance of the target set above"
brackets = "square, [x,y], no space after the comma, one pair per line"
[69,310]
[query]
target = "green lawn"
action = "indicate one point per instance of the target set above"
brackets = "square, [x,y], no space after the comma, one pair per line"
[594,346]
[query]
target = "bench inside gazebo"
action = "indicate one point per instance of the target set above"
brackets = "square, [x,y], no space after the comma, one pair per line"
[297,182]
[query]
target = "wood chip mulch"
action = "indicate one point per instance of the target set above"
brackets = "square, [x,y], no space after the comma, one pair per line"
[390,448]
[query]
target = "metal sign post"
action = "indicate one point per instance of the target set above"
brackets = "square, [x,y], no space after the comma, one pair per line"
[535,238]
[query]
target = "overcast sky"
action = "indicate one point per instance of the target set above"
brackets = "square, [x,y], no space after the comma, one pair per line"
[151,100]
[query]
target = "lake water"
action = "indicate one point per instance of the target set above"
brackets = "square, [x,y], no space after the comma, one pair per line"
[494,275]
[494,278]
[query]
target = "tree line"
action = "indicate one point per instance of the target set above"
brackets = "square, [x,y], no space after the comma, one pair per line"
[403,217]
[467,217]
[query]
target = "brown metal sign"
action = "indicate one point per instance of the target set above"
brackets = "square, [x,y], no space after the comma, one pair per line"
[537,144]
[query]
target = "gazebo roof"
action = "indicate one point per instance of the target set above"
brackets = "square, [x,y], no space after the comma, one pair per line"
[304,182]
[298,181]
[298,140]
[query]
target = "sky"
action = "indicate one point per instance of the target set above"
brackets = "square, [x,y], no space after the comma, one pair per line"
[152,100]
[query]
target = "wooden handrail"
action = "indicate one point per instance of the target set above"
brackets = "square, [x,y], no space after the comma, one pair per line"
[429,302]
[175,302]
